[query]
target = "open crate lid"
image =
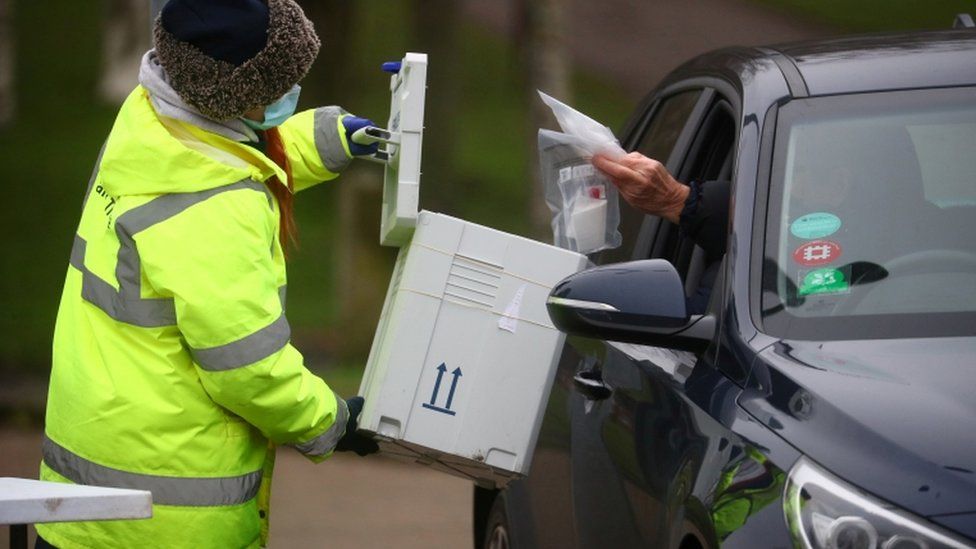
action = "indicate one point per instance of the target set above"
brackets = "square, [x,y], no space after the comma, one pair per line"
[401,178]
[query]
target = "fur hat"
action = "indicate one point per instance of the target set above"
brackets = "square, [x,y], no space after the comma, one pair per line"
[222,62]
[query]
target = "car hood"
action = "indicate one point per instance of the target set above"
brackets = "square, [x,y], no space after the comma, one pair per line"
[894,417]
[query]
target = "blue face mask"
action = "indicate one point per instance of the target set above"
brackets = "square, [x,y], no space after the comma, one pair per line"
[279,111]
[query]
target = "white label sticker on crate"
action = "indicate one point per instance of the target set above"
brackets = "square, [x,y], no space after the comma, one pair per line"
[509,320]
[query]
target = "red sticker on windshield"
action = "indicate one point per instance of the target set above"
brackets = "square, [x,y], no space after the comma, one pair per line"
[818,252]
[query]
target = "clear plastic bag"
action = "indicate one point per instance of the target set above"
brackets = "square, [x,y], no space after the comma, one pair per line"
[584,203]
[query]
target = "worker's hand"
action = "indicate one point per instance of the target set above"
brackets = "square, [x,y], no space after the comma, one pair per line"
[645,183]
[351,125]
[353,441]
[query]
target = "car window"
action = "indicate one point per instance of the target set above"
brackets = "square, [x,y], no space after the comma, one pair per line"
[871,217]
[659,139]
[665,128]
[709,158]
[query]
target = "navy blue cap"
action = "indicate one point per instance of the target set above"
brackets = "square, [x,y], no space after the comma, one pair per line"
[229,30]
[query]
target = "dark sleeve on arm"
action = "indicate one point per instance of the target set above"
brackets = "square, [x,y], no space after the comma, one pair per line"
[705,217]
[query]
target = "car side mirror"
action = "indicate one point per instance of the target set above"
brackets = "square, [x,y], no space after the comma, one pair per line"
[638,302]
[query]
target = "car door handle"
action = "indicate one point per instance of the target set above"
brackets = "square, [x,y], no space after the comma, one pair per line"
[590,384]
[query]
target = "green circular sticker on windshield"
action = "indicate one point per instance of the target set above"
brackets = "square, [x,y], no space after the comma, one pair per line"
[824,281]
[815,225]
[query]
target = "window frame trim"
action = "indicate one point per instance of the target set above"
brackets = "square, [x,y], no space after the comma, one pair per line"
[648,234]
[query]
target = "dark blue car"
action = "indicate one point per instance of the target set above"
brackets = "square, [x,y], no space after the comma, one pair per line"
[827,398]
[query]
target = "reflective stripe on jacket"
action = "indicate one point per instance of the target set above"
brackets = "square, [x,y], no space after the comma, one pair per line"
[173,370]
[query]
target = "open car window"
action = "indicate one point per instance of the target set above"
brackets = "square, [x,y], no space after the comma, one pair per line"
[659,138]
[709,157]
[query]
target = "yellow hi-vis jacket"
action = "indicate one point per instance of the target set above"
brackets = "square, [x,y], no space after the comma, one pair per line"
[172,368]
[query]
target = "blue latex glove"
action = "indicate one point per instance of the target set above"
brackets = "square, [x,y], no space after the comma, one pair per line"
[352,124]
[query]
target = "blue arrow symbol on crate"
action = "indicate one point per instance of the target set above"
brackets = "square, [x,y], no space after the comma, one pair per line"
[437,384]
[450,396]
[432,405]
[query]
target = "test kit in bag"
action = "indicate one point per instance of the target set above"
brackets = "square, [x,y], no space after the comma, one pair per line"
[583,202]
[464,356]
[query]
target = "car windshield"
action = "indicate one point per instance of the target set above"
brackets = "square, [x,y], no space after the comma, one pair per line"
[871,227]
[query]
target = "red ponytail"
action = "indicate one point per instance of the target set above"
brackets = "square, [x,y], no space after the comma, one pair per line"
[282,190]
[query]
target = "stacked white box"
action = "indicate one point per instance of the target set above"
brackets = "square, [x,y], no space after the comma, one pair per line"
[465,354]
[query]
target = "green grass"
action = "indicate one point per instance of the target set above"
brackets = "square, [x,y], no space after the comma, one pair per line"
[343,378]
[47,157]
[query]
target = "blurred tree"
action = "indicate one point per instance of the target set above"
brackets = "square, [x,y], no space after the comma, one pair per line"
[125,38]
[363,267]
[8,98]
[334,80]
[435,32]
[541,38]
[330,78]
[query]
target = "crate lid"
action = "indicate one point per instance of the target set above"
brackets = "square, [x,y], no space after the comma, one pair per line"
[401,178]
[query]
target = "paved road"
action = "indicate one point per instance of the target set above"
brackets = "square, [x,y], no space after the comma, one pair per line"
[345,502]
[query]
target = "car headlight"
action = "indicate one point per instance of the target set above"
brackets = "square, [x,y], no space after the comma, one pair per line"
[823,512]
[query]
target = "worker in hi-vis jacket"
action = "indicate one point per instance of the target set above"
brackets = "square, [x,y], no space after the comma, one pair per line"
[173,370]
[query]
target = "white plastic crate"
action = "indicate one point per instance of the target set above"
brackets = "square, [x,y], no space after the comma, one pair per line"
[464,356]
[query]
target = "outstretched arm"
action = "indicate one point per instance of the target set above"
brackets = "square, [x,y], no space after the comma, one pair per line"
[645,183]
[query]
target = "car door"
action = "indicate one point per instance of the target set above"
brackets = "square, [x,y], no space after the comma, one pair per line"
[637,442]
[542,508]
